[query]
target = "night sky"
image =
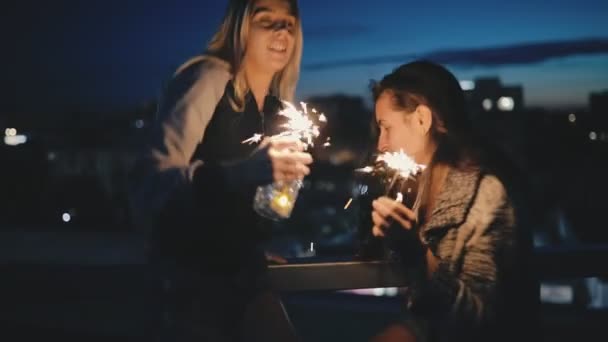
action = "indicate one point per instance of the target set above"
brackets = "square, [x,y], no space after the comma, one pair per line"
[105,55]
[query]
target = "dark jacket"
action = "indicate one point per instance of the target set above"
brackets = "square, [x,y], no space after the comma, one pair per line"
[179,195]
[201,228]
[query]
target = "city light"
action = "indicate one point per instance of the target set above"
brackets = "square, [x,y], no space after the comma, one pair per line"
[572,117]
[506,103]
[14,140]
[66,217]
[139,123]
[10,132]
[592,135]
[487,104]
[467,85]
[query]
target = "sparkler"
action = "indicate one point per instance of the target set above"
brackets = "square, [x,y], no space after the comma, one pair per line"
[399,164]
[276,201]
[299,125]
[402,165]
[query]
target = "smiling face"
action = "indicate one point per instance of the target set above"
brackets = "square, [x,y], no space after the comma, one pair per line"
[271,38]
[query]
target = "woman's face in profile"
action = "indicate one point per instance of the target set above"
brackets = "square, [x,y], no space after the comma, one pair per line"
[271,39]
[398,128]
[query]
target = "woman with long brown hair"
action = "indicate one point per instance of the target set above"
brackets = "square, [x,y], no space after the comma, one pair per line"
[463,238]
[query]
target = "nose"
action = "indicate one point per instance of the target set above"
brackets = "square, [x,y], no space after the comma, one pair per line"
[382,143]
[280,25]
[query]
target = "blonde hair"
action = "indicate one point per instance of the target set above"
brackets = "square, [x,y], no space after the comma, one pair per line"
[229,45]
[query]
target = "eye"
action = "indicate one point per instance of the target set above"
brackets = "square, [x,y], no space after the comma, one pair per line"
[265,22]
[291,26]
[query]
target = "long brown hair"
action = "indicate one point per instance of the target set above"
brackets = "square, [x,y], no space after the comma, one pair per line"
[426,83]
[430,84]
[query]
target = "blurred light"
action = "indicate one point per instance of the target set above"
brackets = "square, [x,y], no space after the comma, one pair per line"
[487,104]
[378,291]
[572,118]
[14,140]
[364,189]
[556,294]
[10,132]
[505,103]
[467,85]
[66,217]
[51,156]
[399,197]
[350,200]
[139,123]
[592,135]
[392,291]
[283,201]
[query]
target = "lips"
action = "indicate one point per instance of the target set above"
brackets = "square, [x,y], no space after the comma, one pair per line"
[277,47]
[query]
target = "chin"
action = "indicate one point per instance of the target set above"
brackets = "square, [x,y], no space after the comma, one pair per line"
[277,67]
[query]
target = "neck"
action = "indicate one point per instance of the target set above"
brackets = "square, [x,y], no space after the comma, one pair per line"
[425,157]
[258,82]
[434,178]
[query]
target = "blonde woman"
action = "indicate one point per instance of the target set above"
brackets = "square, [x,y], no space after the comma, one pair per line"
[193,187]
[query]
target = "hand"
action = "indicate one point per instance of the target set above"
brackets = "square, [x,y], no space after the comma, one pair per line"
[394,221]
[289,162]
[386,210]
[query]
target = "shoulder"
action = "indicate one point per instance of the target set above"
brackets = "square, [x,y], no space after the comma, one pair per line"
[475,188]
[201,79]
[204,70]
[491,191]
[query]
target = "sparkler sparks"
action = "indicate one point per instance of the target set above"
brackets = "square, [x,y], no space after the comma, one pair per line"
[401,163]
[256,138]
[399,197]
[398,162]
[392,166]
[300,125]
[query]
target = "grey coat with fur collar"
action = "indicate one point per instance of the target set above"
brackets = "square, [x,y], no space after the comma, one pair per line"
[483,288]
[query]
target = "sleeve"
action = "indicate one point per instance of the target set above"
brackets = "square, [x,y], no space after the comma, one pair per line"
[462,292]
[163,175]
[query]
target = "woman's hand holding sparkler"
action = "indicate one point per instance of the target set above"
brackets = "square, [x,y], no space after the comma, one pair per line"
[395,222]
[386,211]
[289,161]
[277,159]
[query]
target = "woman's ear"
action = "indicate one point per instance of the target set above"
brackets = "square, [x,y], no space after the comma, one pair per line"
[424,118]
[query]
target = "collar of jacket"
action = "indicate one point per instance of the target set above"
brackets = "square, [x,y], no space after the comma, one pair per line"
[454,201]
[270,96]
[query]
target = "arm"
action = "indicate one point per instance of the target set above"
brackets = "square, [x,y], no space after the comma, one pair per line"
[462,286]
[169,188]
[164,173]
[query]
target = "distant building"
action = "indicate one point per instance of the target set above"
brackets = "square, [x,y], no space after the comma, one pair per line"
[489,95]
[598,104]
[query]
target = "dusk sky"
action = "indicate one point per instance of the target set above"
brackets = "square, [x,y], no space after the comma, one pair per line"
[102,55]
